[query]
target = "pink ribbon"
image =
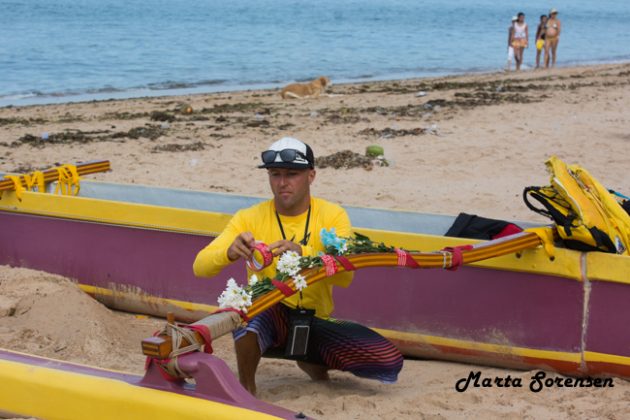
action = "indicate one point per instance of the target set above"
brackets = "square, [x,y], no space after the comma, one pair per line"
[329,264]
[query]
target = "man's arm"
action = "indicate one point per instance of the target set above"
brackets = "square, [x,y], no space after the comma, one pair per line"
[234,241]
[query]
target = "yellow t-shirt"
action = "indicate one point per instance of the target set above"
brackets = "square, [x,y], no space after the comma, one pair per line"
[261,221]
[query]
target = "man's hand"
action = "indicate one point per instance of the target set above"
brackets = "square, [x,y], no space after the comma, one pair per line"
[279,247]
[241,247]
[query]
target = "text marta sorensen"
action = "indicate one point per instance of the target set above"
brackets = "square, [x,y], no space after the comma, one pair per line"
[538,382]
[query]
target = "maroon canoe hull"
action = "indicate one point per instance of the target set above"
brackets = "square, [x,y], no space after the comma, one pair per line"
[513,309]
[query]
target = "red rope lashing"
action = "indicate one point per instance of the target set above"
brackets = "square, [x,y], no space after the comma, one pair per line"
[283,287]
[161,369]
[457,259]
[405,259]
[204,332]
[242,314]
[345,263]
[329,264]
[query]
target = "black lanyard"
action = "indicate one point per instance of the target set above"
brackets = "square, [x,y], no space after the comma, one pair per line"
[307,235]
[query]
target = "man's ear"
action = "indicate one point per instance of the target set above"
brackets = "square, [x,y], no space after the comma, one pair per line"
[311,176]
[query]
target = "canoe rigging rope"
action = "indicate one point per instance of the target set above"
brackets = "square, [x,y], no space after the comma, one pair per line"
[35,179]
[17,185]
[178,334]
[68,180]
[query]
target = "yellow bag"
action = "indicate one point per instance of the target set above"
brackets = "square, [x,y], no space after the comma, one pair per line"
[587,216]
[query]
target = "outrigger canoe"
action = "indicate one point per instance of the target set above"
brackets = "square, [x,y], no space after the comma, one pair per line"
[132,248]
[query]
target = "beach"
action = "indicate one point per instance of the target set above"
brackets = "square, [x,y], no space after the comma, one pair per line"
[452,144]
[469,143]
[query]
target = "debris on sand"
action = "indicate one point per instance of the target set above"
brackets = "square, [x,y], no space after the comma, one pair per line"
[348,159]
[21,121]
[240,107]
[388,132]
[69,136]
[162,116]
[174,147]
[151,132]
[64,137]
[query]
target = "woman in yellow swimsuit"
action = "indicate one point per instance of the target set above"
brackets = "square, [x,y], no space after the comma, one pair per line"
[552,37]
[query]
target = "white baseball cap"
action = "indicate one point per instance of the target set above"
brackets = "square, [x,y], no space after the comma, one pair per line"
[288,152]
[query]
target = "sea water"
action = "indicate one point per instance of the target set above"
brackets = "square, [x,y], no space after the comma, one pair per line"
[62,50]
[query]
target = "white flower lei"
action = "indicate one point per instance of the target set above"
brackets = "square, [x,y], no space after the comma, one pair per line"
[234,296]
[300,282]
[253,280]
[289,263]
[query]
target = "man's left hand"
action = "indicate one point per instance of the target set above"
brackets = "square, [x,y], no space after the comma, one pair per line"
[279,247]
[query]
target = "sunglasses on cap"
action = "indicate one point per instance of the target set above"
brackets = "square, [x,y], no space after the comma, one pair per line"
[286,155]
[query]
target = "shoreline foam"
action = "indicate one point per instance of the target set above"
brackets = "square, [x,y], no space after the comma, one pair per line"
[175,89]
[469,143]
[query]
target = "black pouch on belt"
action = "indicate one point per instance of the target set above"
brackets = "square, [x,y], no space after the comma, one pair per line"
[300,321]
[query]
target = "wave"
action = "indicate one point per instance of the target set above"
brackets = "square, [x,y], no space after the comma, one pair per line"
[170,84]
[106,92]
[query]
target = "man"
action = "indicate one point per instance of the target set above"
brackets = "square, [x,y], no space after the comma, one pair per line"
[292,221]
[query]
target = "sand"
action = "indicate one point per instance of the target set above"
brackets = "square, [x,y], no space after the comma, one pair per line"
[50,316]
[468,143]
[485,138]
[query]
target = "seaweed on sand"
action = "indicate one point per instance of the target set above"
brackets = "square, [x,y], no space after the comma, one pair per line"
[348,159]
[151,132]
[174,147]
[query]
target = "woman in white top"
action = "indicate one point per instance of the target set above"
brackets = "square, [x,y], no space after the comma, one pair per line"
[520,39]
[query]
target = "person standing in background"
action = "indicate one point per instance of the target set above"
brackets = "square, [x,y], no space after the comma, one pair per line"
[510,48]
[540,38]
[552,37]
[520,39]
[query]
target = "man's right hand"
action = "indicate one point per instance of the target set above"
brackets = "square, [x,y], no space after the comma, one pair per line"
[241,247]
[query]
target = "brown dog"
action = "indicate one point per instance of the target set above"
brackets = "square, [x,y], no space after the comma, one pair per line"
[305,90]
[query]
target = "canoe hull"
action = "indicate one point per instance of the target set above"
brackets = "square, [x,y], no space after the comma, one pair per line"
[52,389]
[521,310]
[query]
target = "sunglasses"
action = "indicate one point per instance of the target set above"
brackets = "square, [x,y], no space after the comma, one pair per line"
[286,155]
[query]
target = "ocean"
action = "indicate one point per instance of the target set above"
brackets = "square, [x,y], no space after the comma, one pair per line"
[63,51]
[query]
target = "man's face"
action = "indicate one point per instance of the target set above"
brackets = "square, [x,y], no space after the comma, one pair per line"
[290,187]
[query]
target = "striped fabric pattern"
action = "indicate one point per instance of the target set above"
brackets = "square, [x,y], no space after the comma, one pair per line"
[341,345]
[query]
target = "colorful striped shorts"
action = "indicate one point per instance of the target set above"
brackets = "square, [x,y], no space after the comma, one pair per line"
[340,345]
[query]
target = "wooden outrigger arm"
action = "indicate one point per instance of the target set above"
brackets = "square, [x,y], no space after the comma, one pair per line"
[161,347]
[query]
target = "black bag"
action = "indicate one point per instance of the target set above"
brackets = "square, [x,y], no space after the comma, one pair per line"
[300,321]
[476,227]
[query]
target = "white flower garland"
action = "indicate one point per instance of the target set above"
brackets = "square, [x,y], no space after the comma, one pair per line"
[300,282]
[234,296]
[289,263]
